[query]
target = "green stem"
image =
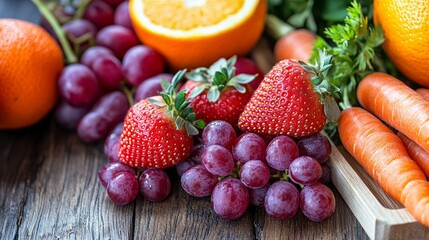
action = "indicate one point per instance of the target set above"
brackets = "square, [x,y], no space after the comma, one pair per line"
[128,93]
[80,11]
[277,28]
[68,51]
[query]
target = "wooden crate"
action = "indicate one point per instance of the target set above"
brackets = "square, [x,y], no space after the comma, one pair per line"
[380,216]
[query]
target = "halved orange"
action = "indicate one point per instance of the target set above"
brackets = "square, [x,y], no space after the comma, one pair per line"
[196,33]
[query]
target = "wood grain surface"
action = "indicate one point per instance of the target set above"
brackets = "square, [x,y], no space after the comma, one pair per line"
[49,190]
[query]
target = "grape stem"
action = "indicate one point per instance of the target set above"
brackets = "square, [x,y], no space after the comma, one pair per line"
[46,13]
[80,11]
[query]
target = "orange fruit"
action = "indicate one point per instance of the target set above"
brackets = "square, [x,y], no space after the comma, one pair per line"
[196,33]
[30,63]
[406,26]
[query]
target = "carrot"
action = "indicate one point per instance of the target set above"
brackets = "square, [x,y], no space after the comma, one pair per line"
[397,104]
[418,154]
[291,43]
[424,92]
[385,159]
[297,44]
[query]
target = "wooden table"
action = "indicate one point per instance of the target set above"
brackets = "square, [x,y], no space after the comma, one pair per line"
[49,190]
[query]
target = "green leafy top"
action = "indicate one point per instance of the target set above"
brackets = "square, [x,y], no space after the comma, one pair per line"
[321,83]
[218,76]
[178,106]
[354,52]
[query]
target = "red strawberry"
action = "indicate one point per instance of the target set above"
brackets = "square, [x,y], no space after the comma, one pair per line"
[158,131]
[286,102]
[217,93]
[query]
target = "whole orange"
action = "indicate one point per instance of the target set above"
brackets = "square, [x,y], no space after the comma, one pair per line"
[196,33]
[406,27]
[30,63]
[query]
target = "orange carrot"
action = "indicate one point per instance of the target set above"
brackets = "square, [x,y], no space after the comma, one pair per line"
[424,92]
[297,44]
[384,157]
[397,104]
[418,154]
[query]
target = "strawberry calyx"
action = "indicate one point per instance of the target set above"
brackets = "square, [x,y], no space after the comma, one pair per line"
[178,106]
[217,77]
[322,85]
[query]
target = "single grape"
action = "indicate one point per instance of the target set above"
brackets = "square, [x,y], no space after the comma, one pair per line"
[326,174]
[117,38]
[80,33]
[281,151]
[122,16]
[230,198]
[257,196]
[140,63]
[249,146]
[123,188]
[198,182]
[91,54]
[155,184]
[316,146]
[219,132]
[151,86]
[108,70]
[68,116]
[99,13]
[109,171]
[282,200]
[317,202]
[305,170]
[108,112]
[254,174]
[248,66]
[78,85]
[218,160]
[111,144]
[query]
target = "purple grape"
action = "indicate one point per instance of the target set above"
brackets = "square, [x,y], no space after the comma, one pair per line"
[78,85]
[108,70]
[219,132]
[326,174]
[117,38]
[254,174]
[257,196]
[155,184]
[99,13]
[317,202]
[230,198]
[108,112]
[305,170]
[248,66]
[316,146]
[122,16]
[123,188]
[111,144]
[282,200]
[109,171]
[249,146]
[68,116]
[93,53]
[198,182]
[151,86]
[281,151]
[80,33]
[140,63]
[218,160]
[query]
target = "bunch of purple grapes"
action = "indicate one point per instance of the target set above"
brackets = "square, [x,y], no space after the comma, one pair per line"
[280,174]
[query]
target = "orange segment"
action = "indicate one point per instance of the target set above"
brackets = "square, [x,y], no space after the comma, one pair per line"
[194,33]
